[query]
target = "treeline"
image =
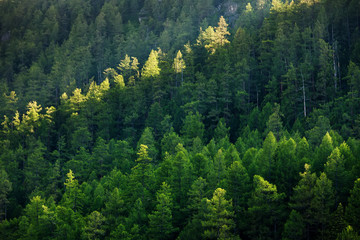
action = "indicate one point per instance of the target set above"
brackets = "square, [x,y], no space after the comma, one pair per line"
[195,133]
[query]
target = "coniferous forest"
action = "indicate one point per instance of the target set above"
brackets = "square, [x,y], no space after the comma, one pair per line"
[180,119]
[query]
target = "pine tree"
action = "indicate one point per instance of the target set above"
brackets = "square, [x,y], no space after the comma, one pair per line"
[221,131]
[73,196]
[348,234]
[294,228]
[322,203]
[180,179]
[353,208]
[192,127]
[94,229]
[274,124]
[323,152]
[160,221]
[219,221]
[151,67]
[5,188]
[114,208]
[335,170]
[147,139]
[221,32]
[303,196]
[337,222]
[237,183]
[266,210]
[179,65]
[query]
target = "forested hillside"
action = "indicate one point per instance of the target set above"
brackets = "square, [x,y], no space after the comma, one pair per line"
[180,119]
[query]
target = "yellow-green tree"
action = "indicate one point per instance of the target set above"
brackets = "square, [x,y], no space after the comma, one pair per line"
[219,221]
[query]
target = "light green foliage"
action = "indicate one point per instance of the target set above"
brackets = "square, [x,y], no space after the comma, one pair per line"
[274,124]
[302,150]
[218,223]
[214,37]
[237,183]
[348,234]
[142,178]
[264,162]
[94,227]
[73,196]
[179,63]
[265,210]
[142,168]
[241,105]
[118,79]
[151,67]
[303,195]
[335,171]
[37,220]
[323,152]
[147,139]
[322,203]
[286,166]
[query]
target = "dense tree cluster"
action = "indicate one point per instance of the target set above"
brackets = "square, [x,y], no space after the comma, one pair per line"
[202,119]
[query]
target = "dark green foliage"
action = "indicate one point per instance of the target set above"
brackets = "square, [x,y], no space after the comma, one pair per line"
[212,95]
[160,221]
[322,203]
[266,210]
[352,211]
[294,227]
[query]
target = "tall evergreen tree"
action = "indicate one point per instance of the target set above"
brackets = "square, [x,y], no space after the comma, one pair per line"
[160,221]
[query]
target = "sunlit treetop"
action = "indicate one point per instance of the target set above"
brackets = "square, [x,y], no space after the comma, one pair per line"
[179,63]
[214,37]
[151,67]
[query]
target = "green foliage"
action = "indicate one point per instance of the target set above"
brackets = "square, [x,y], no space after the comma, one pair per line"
[94,226]
[213,38]
[294,227]
[84,86]
[237,183]
[5,188]
[265,210]
[352,211]
[160,221]
[73,196]
[219,221]
[151,68]
[192,127]
[322,203]
[348,234]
